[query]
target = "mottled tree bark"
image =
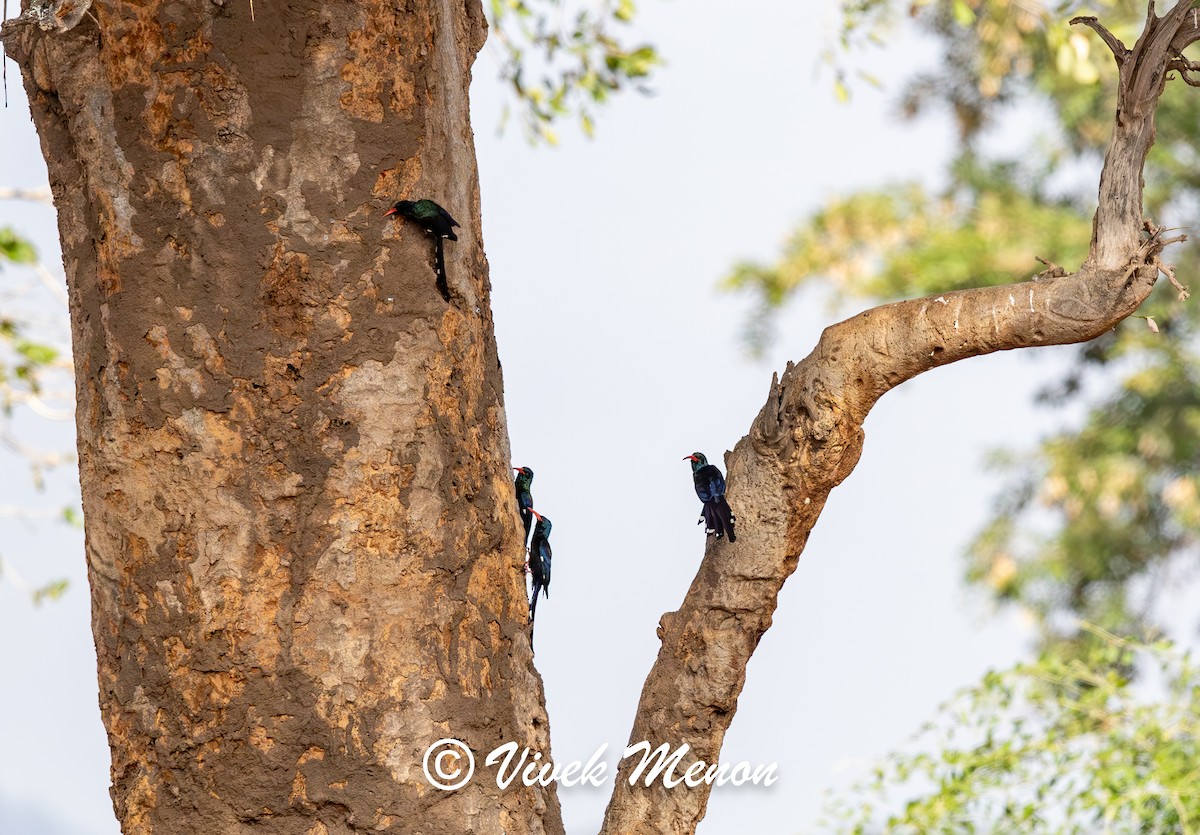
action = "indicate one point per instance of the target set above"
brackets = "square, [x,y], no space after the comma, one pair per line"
[808,437]
[304,551]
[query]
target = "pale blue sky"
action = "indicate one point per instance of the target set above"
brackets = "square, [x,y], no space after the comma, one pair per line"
[615,246]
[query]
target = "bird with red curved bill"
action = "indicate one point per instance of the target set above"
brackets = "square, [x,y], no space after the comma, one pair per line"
[435,221]
[710,488]
[522,484]
[539,564]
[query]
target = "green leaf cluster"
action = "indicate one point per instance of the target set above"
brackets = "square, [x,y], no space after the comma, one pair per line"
[15,248]
[22,359]
[1097,519]
[563,59]
[1048,747]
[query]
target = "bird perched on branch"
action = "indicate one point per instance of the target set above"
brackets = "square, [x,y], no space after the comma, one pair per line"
[539,564]
[710,487]
[524,498]
[437,222]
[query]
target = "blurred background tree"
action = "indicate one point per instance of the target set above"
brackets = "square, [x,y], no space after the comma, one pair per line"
[563,60]
[1099,519]
[1098,524]
[35,379]
[1055,746]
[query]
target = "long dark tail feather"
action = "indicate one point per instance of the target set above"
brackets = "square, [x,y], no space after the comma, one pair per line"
[442,285]
[532,613]
[527,518]
[719,518]
[726,517]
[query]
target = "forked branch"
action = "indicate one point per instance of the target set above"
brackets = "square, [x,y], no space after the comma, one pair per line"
[808,436]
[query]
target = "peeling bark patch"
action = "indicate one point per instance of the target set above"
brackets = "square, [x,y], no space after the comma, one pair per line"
[379,72]
[133,41]
[398,182]
[290,295]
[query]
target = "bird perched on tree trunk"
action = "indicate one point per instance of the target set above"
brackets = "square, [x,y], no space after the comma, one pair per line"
[524,498]
[710,487]
[437,222]
[539,564]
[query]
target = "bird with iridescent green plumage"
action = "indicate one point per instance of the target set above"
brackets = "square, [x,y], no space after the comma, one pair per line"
[522,484]
[539,564]
[437,222]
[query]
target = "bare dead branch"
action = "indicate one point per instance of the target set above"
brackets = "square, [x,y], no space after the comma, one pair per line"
[1147,28]
[1169,271]
[1119,50]
[1143,75]
[1182,60]
[1052,270]
[1184,66]
[1187,78]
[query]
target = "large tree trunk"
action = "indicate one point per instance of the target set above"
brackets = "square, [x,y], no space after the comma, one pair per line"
[304,551]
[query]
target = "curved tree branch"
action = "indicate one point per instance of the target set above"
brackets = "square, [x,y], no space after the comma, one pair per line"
[1119,50]
[808,437]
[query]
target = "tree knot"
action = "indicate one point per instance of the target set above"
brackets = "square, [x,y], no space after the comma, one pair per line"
[1149,254]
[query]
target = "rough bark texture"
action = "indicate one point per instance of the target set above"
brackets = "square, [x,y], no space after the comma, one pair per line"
[304,551]
[808,437]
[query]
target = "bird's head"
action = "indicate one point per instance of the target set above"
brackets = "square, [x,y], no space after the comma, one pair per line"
[698,460]
[543,524]
[402,207]
[525,471]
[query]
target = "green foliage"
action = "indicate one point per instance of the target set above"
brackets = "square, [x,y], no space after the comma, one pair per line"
[14,248]
[22,360]
[993,50]
[1055,746]
[563,59]
[1092,511]
[25,363]
[865,23]
[50,591]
